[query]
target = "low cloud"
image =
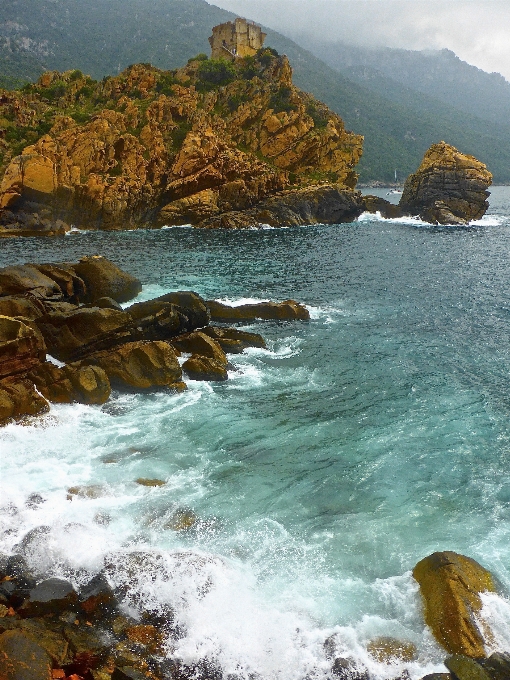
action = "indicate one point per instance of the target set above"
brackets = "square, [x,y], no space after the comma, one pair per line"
[476,30]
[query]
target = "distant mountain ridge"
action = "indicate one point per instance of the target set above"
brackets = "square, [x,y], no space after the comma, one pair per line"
[440,74]
[102,37]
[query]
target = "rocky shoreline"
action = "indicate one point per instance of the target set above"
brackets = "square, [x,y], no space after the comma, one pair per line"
[52,630]
[71,312]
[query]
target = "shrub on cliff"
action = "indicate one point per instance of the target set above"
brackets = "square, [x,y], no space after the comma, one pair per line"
[215,73]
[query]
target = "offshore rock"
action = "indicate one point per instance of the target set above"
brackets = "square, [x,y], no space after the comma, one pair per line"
[167,147]
[450,585]
[375,204]
[449,187]
[321,204]
[288,310]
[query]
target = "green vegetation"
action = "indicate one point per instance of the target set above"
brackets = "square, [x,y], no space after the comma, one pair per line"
[281,101]
[214,73]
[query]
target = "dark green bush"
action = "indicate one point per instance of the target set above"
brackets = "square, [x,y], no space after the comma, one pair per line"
[215,73]
[281,101]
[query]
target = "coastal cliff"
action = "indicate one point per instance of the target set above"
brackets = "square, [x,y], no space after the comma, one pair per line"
[151,148]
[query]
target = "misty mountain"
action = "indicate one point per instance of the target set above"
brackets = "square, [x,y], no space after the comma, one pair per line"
[436,73]
[102,37]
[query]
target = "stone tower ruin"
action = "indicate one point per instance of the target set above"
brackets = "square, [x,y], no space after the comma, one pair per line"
[239,38]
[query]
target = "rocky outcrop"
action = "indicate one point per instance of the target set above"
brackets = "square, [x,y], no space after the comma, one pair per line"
[175,147]
[376,204]
[288,310]
[322,204]
[103,345]
[449,187]
[450,585]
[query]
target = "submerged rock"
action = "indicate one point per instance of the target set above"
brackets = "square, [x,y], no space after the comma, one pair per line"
[388,649]
[450,585]
[449,187]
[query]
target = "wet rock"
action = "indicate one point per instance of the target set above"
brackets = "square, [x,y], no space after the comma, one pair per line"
[141,365]
[347,669]
[72,286]
[438,676]
[22,659]
[21,349]
[191,305]
[234,341]
[150,482]
[46,635]
[82,384]
[29,543]
[24,306]
[200,344]
[25,278]
[97,597]
[288,310]
[145,635]
[65,333]
[19,398]
[107,303]
[104,279]
[496,667]
[35,500]
[52,596]
[375,204]
[204,368]
[181,519]
[450,585]
[388,649]
[449,187]
[321,204]
[86,491]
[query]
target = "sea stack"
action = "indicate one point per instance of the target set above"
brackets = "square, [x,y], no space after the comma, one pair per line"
[449,187]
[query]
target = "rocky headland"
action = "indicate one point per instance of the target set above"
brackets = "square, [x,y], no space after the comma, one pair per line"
[211,144]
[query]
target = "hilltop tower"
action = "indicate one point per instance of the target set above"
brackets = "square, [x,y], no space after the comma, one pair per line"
[238,38]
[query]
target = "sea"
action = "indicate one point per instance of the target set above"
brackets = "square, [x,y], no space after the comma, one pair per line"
[299,494]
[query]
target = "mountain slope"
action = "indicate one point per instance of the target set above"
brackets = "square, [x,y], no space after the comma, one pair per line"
[104,36]
[436,73]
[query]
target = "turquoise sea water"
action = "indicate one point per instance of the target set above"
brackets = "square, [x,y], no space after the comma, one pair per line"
[326,466]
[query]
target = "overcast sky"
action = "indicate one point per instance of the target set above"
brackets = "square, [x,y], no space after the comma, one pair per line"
[478,31]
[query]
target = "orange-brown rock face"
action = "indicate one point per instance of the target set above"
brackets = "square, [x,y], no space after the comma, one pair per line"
[149,147]
[449,187]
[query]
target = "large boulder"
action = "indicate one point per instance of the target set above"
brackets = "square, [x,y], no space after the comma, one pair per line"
[191,305]
[233,340]
[82,384]
[141,365]
[18,398]
[65,333]
[288,310]
[200,344]
[22,658]
[21,348]
[205,368]
[104,279]
[27,279]
[376,204]
[449,187]
[450,585]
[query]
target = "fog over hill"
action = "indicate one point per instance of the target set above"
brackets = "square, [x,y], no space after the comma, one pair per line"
[399,122]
